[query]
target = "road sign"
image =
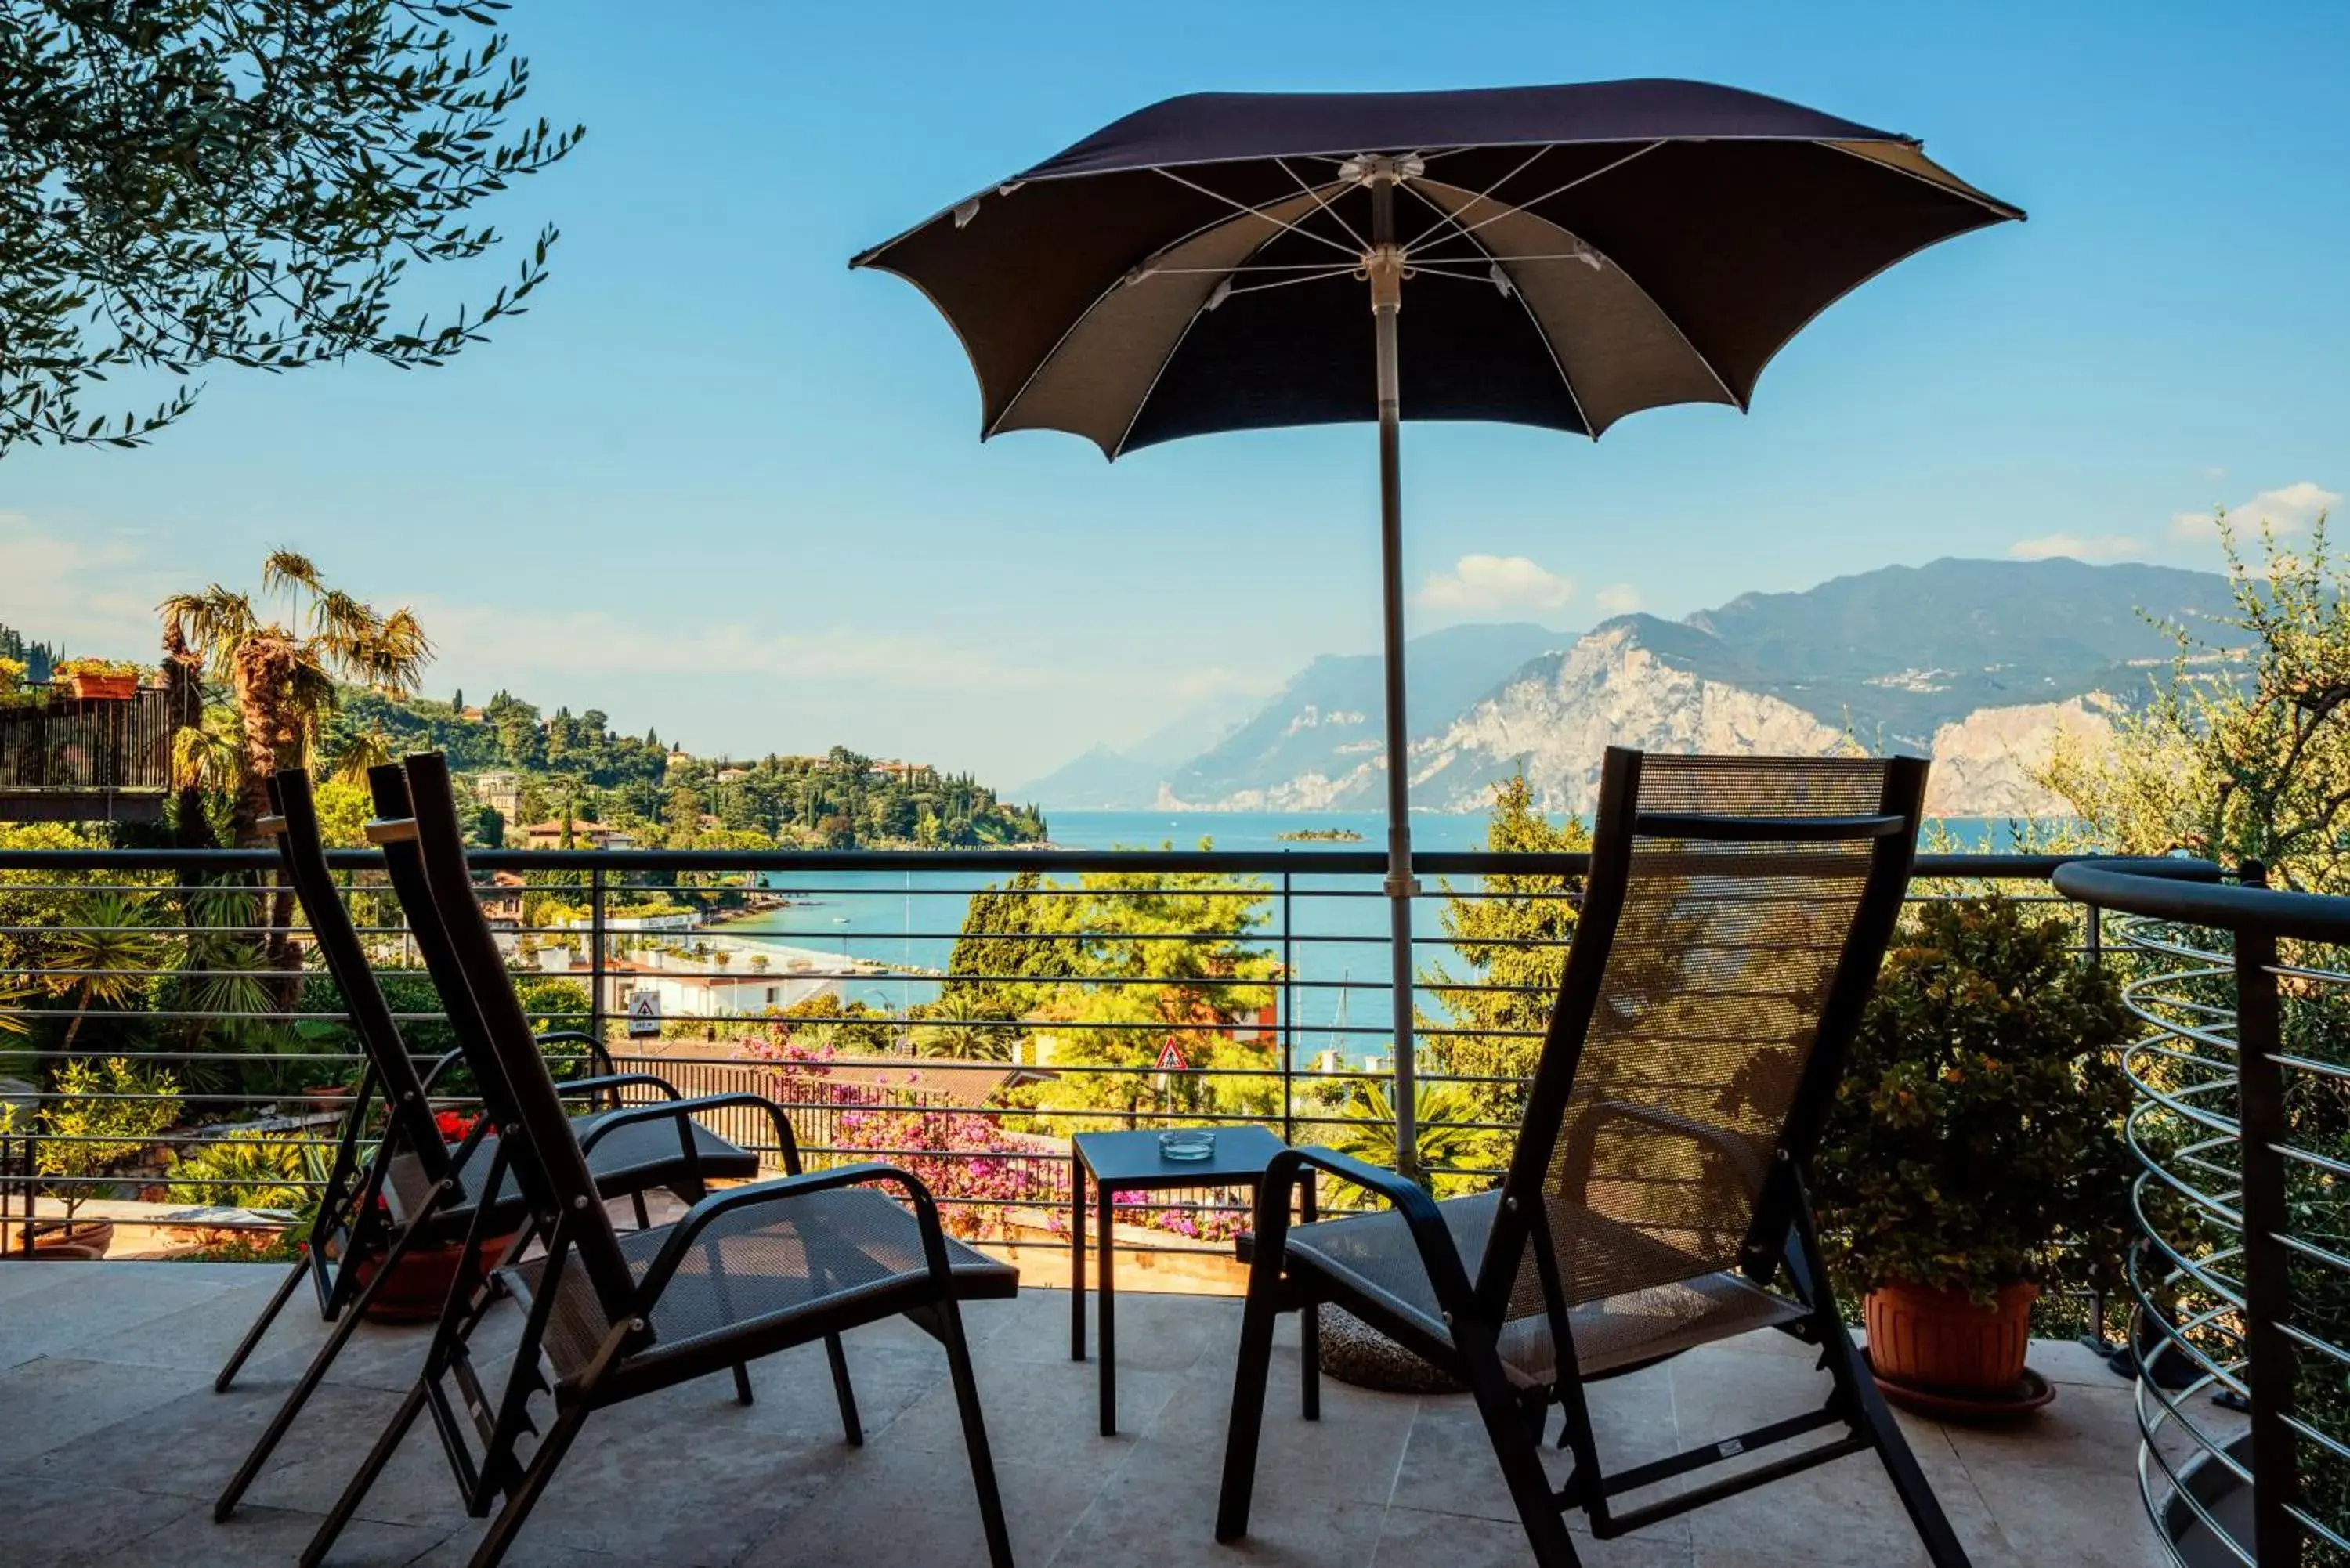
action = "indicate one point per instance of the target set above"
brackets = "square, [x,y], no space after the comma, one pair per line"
[1170,1058]
[644,1014]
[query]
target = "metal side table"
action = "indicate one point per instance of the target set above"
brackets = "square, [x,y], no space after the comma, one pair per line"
[1119,1162]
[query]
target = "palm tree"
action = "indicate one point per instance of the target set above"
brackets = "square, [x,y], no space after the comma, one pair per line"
[281,676]
[966,1023]
[107,955]
[1441,1114]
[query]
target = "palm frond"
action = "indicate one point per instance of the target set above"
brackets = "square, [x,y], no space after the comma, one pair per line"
[284,570]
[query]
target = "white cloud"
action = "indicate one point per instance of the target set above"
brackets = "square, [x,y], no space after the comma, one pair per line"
[523,644]
[2290,509]
[1618,599]
[1484,582]
[2091,547]
[86,595]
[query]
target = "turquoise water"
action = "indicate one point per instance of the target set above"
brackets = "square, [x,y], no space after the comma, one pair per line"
[1337,925]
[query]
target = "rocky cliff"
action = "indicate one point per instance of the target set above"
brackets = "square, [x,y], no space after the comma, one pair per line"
[1982,664]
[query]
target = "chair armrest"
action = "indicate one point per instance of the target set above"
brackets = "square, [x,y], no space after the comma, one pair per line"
[599,1056]
[1430,1236]
[684,1110]
[615,1081]
[784,1189]
[448,1060]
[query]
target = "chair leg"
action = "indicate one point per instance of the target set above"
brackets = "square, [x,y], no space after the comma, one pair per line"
[533,1485]
[1257,1317]
[742,1384]
[1909,1483]
[644,1217]
[974,1435]
[387,1443]
[851,1427]
[1858,1387]
[1517,1444]
[251,1340]
[312,1375]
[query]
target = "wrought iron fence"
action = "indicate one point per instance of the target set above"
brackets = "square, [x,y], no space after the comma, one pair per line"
[53,744]
[2241,1286]
[920,1006]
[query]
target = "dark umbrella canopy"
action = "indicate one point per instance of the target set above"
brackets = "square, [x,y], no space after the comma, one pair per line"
[1581,253]
[1566,256]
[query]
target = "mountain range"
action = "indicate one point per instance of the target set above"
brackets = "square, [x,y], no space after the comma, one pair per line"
[1979,664]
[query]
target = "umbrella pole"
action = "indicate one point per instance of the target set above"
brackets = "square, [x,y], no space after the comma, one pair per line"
[1386,269]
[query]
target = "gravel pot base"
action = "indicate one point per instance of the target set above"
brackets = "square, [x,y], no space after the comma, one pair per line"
[1353,1352]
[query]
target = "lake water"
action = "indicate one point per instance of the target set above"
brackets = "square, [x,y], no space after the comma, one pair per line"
[1337,925]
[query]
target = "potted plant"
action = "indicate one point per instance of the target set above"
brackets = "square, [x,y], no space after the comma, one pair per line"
[102,1115]
[14,692]
[100,680]
[420,1282]
[1975,1153]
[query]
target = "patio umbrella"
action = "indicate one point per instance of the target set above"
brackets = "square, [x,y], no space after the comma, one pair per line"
[1572,253]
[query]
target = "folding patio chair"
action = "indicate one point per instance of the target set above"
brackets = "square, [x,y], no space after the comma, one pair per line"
[1732,923]
[609,1316]
[390,1192]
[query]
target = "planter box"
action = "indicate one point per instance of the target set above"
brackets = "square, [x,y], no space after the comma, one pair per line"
[105,688]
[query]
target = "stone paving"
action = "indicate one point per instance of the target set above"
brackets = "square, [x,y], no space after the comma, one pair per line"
[112,1445]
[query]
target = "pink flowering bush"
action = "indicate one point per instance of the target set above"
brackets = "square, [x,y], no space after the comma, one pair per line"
[981,1175]
[976,1169]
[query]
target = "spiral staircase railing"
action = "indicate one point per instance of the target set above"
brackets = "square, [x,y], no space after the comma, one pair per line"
[2239,1280]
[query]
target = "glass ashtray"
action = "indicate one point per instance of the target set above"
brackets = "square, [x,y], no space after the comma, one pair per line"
[1187,1143]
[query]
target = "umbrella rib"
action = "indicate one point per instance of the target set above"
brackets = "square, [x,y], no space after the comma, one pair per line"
[1527,206]
[1361,243]
[1584,256]
[1542,335]
[1242,207]
[1323,275]
[1443,217]
[1591,253]
[1244,266]
[1959,187]
[1141,270]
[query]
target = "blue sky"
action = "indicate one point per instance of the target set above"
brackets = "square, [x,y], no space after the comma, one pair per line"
[716,482]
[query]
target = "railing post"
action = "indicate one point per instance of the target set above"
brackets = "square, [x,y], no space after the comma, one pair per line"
[595,953]
[1288,1019]
[2268,1288]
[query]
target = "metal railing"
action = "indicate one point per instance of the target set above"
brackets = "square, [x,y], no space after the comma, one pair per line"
[1218,987]
[2241,1286]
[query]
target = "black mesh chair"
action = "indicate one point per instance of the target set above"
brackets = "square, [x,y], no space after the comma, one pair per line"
[1735,916]
[609,1316]
[402,1186]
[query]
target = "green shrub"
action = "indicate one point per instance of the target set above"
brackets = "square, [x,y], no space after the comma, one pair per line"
[104,1114]
[248,1173]
[1976,1139]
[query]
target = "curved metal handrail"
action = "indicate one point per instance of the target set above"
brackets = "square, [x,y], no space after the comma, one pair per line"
[2191,893]
[2215,1138]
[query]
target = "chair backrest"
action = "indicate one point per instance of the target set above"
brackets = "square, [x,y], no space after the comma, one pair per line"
[302,852]
[1732,925]
[500,1046]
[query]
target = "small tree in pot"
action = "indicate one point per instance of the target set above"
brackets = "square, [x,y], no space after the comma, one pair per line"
[1975,1151]
[102,1114]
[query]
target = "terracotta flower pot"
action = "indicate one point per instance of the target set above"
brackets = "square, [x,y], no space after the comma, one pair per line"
[1944,1340]
[105,688]
[54,1240]
[419,1286]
